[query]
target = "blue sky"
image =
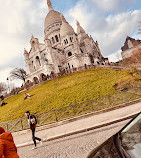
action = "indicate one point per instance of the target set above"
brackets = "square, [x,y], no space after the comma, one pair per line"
[108,21]
[63,5]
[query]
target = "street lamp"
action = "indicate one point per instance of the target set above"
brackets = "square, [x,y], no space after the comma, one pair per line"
[8,84]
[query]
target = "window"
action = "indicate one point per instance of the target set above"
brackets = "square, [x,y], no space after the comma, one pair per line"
[71,39]
[33,67]
[69,65]
[53,40]
[66,41]
[38,61]
[69,54]
[81,50]
[91,58]
[56,37]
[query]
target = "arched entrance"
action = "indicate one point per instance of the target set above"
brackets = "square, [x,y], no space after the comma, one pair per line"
[35,80]
[52,75]
[43,77]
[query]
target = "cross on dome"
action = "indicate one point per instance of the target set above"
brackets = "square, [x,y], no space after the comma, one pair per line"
[49,5]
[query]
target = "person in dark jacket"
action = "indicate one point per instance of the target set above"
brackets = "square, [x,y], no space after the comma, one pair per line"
[7,145]
[32,121]
[3,103]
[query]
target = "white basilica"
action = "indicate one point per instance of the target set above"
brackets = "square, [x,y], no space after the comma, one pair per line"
[63,49]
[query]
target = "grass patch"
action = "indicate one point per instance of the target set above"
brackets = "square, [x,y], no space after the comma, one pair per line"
[63,91]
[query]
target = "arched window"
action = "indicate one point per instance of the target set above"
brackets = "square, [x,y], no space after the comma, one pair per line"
[33,67]
[66,41]
[35,80]
[56,37]
[71,39]
[69,54]
[38,64]
[69,65]
[53,41]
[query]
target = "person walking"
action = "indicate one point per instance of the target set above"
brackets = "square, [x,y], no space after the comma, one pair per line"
[8,148]
[32,121]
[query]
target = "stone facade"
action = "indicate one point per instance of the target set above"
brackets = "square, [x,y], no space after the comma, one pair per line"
[129,47]
[63,49]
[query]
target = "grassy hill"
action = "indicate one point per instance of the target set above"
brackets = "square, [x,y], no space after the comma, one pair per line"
[69,89]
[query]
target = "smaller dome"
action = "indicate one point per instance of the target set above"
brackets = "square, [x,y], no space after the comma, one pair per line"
[66,28]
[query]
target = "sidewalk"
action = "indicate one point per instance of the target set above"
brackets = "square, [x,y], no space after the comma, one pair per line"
[24,138]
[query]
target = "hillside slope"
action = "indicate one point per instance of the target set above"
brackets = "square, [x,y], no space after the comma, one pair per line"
[70,89]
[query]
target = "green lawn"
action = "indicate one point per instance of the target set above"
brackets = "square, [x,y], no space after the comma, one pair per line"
[70,89]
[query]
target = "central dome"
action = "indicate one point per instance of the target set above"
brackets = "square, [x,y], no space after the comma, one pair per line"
[51,18]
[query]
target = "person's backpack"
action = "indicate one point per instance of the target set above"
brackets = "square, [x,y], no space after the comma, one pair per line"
[33,119]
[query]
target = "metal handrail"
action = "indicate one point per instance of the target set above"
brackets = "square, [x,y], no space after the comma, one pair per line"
[73,110]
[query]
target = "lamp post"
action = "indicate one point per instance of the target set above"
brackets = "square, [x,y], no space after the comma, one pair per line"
[8,84]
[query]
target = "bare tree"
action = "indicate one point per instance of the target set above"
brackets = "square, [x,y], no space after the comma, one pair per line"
[18,73]
[12,86]
[118,56]
[3,87]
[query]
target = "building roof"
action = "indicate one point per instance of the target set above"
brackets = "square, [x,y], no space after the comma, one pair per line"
[133,41]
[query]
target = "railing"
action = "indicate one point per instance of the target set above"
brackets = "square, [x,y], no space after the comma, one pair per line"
[75,110]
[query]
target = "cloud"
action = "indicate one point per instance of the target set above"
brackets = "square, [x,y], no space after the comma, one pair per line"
[19,20]
[113,5]
[108,21]
[109,29]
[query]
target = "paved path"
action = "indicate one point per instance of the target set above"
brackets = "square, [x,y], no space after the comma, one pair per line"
[76,146]
[25,136]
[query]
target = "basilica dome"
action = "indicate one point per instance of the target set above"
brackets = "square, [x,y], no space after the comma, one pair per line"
[66,28]
[51,18]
